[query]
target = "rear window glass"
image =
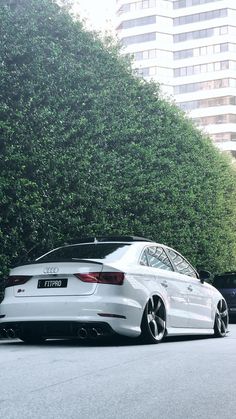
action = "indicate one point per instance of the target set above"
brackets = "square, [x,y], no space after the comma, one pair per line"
[225,281]
[107,251]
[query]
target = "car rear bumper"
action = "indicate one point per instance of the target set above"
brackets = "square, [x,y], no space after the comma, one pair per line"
[56,329]
[121,316]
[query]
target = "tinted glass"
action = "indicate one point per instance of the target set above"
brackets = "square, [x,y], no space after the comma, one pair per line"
[156,258]
[107,251]
[137,22]
[136,39]
[181,264]
[225,281]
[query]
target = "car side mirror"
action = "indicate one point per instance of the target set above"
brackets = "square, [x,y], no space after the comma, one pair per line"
[204,275]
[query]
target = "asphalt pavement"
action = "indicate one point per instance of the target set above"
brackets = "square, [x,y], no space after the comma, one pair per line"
[177,379]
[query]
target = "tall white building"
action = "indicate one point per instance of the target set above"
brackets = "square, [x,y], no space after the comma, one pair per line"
[189,47]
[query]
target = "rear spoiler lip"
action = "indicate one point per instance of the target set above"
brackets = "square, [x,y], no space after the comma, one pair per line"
[74,260]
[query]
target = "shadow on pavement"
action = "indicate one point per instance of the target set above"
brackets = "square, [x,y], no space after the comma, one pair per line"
[100,342]
[104,341]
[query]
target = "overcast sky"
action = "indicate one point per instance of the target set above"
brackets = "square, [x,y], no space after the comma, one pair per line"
[99,13]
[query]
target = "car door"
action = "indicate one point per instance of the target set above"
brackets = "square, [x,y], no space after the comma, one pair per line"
[199,296]
[171,285]
[200,304]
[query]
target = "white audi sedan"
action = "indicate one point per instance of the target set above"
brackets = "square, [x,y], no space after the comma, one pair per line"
[127,285]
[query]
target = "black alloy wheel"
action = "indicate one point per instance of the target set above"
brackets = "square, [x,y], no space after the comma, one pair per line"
[221,320]
[153,324]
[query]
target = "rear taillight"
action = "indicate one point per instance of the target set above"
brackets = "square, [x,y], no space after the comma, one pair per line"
[112,278]
[17,280]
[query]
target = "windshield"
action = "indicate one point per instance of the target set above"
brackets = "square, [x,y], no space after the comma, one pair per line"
[225,281]
[107,251]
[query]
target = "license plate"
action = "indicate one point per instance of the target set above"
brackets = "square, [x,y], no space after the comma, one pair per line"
[52,283]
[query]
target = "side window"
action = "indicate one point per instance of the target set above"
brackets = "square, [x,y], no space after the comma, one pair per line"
[156,258]
[182,266]
[144,259]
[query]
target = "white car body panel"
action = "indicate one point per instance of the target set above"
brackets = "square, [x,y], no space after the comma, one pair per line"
[201,304]
[188,311]
[65,270]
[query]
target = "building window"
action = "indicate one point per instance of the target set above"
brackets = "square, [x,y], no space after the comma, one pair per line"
[204,68]
[232,47]
[136,5]
[124,8]
[205,85]
[143,72]
[223,30]
[202,51]
[199,17]
[138,55]
[152,71]
[146,55]
[186,53]
[221,137]
[179,4]
[186,36]
[203,33]
[232,65]
[207,103]
[216,119]
[136,39]
[152,53]
[147,71]
[142,21]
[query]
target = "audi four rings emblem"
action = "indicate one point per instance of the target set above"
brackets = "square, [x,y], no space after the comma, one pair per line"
[51,270]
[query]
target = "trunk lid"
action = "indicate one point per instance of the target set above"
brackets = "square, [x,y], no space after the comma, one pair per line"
[55,279]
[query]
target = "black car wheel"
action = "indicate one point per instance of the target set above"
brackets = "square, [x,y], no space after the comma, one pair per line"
[153,324]
[221,319]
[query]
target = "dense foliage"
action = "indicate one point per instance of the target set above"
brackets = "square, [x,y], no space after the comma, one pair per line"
[87,149]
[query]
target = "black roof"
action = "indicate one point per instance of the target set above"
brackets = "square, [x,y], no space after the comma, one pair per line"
[111,239]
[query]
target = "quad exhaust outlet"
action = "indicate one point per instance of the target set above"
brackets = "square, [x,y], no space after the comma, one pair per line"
[84,333]
[8,333]
[11,334]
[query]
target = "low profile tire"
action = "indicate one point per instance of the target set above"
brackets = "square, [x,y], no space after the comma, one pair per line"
[153,326]
[221,320]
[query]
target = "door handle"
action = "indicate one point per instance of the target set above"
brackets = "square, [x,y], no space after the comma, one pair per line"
[164,284]
[190,288]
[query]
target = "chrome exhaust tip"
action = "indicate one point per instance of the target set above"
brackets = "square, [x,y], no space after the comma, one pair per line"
[11,334]
[95,333]
[3,333]
[82,333]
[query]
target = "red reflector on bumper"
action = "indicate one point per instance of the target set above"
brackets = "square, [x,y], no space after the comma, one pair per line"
[118,316]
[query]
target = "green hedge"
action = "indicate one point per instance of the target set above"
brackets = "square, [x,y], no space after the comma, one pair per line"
[86,148]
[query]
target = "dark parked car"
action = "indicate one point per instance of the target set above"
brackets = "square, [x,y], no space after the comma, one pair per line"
[2,286]
[226,284]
